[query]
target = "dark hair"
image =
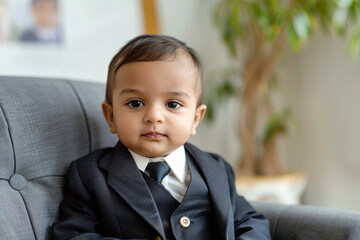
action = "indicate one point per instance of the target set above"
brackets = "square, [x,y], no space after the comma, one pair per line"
[148,48]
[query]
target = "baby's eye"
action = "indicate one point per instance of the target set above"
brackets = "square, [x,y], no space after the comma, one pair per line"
[173,105]
[135,103]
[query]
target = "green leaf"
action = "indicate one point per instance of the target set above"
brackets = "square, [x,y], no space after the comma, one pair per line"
[293,39]
[277,124]
[234,20]
[354,9]
[209,116]
[229,40]
[354,42]
[324,11]
[222,85]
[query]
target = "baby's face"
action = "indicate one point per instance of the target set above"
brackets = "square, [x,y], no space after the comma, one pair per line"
[46,14]
[154,107]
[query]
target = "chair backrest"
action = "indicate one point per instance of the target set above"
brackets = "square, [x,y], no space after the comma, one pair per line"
[44,125]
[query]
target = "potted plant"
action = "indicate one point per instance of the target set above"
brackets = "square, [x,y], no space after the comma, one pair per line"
[256,33]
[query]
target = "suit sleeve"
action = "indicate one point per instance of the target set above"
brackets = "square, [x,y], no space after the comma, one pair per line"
[248,223]
[78,216]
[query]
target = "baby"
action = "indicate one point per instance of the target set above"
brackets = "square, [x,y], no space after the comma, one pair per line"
[153,184]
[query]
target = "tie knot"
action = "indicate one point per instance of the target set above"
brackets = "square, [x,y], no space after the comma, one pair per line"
[158,170]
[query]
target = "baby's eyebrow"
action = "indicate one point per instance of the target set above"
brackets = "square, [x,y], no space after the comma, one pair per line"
[137,91]
[180,93]
[129,90]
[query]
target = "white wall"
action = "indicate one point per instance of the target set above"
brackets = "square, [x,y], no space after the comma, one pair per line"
[324,91]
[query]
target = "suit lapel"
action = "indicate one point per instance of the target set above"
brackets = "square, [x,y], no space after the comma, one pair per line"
[126,179]
[216,178]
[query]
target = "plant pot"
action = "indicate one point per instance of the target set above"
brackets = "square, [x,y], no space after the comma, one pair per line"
[286,188]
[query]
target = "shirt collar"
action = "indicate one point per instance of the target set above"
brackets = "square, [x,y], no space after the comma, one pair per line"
[176,161]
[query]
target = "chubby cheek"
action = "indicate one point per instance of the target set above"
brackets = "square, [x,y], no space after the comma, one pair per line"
[181,131]
[126,127]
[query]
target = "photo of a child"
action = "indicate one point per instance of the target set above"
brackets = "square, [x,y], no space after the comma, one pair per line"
[31,21]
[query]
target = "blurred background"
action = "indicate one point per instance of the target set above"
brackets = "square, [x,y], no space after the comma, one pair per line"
[315,91]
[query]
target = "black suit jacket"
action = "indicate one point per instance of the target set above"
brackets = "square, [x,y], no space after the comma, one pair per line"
[106,196]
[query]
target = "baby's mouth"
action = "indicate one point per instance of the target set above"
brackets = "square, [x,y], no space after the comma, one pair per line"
[153,135]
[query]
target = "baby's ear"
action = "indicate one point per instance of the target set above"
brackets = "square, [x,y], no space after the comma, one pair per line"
[109,115]
[199,114]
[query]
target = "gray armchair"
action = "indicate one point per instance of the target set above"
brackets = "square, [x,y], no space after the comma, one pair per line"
[47,123]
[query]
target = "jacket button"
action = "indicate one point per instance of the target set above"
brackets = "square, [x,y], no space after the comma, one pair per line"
[185,222]
[158,238]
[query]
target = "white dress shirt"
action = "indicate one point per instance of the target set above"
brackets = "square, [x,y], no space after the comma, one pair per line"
[177,181]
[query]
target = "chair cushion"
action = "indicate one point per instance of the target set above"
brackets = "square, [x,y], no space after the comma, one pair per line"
[44,125]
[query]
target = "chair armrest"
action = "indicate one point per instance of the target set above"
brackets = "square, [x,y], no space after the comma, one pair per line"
[310,222]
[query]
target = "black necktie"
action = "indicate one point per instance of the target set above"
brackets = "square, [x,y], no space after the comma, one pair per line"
[158,170]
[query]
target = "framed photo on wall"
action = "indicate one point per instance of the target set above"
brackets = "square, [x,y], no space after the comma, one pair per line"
[31,22]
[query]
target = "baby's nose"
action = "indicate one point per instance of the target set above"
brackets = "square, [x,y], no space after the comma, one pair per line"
[154,115]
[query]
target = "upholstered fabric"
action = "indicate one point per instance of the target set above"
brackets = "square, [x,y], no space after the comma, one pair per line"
[309,222]
[47,123]
[44,125]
